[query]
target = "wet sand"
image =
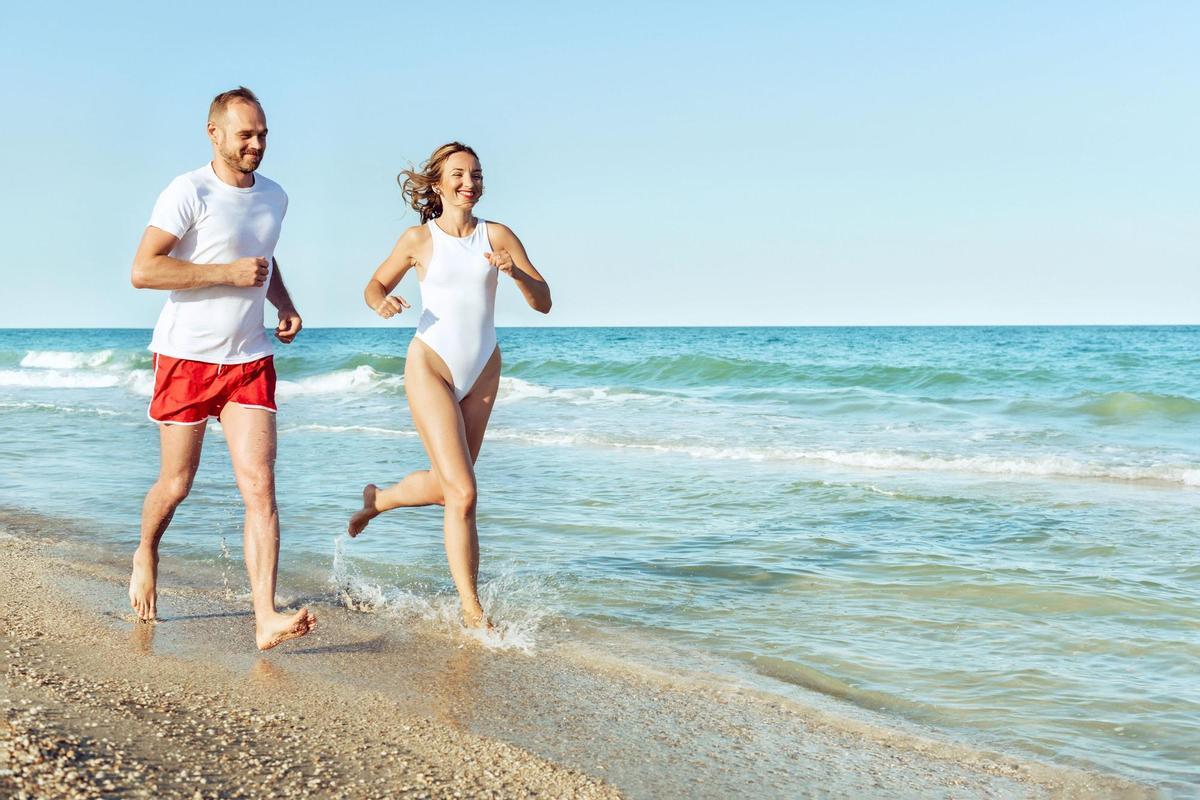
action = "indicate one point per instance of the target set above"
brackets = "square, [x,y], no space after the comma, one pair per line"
[98,705]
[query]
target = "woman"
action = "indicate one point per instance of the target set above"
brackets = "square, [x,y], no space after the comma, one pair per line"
[452,368]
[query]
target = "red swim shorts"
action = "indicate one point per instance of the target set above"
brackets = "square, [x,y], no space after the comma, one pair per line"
[189,392]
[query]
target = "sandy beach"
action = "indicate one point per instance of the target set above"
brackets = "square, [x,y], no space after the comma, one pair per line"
[99,706]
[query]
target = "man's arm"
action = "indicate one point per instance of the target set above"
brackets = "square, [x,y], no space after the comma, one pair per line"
[277,293]
[154,269]
[289,319]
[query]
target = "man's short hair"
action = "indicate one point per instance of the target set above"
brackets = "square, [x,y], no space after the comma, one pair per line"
[222,101]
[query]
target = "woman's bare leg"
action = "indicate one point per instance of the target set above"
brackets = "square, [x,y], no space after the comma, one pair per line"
[423,487]
[439,420]
[419,488]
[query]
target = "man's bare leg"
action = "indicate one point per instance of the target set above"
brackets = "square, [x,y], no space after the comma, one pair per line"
[250,434]
[179,457]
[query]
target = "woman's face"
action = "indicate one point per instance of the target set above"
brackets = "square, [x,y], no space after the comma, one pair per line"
[461,183]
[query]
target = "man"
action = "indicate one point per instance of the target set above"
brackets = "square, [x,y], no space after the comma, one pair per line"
[211,240]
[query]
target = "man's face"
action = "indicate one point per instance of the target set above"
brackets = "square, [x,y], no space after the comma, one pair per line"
[239,135]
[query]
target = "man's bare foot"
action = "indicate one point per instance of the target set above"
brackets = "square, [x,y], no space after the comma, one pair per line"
[281,627]
[365,514]
[143,589]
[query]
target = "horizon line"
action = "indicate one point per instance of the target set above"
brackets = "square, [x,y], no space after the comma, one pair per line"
[692,327]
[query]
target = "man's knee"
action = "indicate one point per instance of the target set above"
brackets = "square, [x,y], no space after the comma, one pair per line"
[174,488]
[258,490]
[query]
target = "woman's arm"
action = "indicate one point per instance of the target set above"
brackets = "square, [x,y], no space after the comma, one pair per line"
[403,258]
[509,256]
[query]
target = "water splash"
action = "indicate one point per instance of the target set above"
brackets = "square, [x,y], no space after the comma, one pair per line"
[513,603]
[226,562]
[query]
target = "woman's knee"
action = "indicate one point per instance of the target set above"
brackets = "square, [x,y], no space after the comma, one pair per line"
[459,496]
[432,486]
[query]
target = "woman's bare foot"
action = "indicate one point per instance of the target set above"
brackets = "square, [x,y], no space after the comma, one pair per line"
[143,583]
[365,514]
[281,627]
[474,618]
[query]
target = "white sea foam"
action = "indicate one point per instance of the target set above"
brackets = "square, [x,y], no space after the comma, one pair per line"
[515,389]
[59,379]
[140,382]
[98,370]
[1016,466]
[346,381]
[59,359]
[60,409]
[364,379]
[371,429]
[55,370]
[516,623]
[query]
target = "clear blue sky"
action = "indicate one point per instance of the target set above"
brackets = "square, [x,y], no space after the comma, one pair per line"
[690,163]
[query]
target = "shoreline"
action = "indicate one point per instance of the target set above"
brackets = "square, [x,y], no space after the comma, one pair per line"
[361,709]
[93,711]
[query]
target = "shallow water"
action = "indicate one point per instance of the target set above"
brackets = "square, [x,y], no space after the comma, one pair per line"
[990,531]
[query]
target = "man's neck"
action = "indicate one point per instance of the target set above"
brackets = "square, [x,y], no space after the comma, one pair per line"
[242,180]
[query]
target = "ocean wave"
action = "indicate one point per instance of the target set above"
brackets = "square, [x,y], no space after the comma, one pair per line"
[347,381]
[685,369]
[65,359]
[515,389]
[376,361]
[1123,405]
[370,429]
[691,369]
[292,362]
[57,379]
[59,409]
[1015,466]
[139,381]
[364,378]
[71,370]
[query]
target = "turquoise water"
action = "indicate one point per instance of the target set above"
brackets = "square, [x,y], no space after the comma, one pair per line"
[994,532]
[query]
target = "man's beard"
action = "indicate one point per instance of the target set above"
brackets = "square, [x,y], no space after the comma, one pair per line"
[237,161]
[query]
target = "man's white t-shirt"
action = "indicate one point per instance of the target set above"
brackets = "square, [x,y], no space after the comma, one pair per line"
[216,224]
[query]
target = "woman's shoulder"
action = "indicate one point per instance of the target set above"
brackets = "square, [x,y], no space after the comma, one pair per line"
[498,229]
[417,234]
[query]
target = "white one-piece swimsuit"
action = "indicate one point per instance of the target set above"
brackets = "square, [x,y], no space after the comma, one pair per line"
[458,304]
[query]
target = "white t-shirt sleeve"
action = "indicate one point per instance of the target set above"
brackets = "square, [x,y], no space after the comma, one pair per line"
[177,207]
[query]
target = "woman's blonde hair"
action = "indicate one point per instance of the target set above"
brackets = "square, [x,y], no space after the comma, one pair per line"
[417,185]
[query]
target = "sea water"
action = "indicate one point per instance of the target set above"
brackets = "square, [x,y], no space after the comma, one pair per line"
[991,532]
